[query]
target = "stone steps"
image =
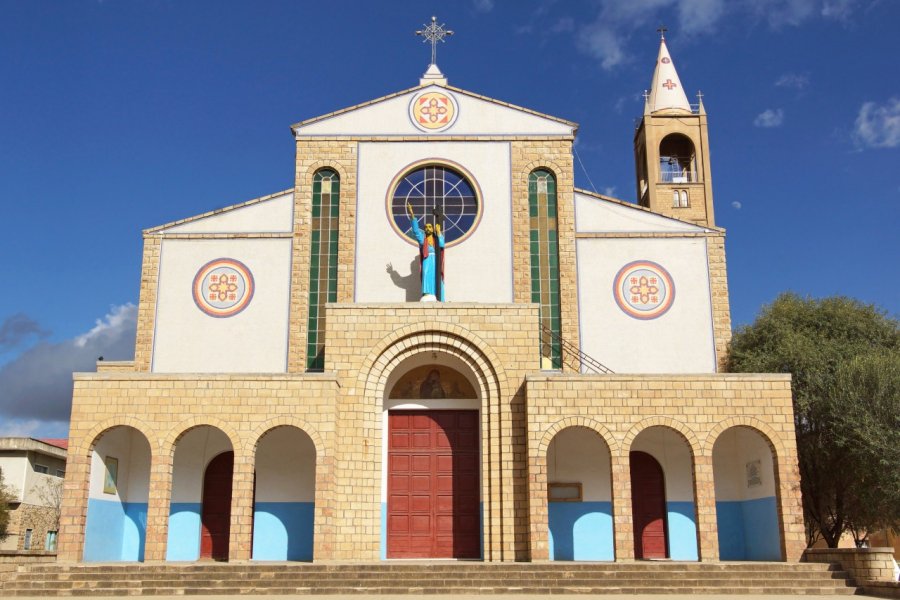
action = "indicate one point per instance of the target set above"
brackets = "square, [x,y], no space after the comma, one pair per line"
[426,578]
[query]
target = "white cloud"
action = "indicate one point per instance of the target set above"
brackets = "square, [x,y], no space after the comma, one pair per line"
[37,385]
[17,329]
[483,5]
[736,205]
[769,118]
[699,16]
[878,126]
[797,81]
[609,190]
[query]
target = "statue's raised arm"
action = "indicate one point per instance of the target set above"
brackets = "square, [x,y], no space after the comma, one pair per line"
[431,255]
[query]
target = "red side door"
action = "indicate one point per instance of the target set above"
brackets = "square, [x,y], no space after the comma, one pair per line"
[648,506]
[433,491]
[215,514]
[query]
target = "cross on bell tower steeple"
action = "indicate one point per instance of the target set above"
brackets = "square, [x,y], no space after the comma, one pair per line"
[433,33]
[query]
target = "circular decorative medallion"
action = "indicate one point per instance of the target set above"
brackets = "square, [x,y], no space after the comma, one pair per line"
[430,187]
[665,60]
[223,287]
[433,111]
[644,289]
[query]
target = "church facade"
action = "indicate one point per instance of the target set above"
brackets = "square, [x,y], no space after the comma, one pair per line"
[295,396]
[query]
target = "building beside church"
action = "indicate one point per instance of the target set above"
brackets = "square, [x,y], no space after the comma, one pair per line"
[292,398]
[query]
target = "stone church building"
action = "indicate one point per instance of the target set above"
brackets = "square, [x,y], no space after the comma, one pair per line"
[293,396]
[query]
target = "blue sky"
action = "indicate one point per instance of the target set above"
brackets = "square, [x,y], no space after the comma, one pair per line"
[116,116]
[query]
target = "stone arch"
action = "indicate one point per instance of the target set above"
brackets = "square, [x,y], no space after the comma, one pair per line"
[542,163]
[586,422]
[252,442]
[686,433]
[169,443]
[320,165]
[411,339]
[774,440]
[93,436]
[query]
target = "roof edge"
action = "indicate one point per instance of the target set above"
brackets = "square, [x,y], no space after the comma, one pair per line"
[217,211]
[647,210]
[336,113]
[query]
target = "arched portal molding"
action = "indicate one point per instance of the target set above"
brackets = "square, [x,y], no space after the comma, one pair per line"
[684,432]
[324,165]
[424,337]
[584,422]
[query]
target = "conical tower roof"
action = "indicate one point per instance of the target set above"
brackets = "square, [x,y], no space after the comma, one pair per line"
[666,93]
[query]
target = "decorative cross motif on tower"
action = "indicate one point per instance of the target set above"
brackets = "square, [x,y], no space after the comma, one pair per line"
[662,29]
[699,96]
[434,33]
[670,85]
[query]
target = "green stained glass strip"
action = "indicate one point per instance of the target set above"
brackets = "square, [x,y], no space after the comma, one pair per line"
[323,262]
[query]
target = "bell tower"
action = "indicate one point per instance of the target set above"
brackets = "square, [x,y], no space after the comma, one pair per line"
[671,148]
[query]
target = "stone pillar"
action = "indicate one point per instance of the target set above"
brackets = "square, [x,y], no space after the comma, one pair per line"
[705,505]
[539,511]
[621,507]
[240,544]
[73,513]
[158,506]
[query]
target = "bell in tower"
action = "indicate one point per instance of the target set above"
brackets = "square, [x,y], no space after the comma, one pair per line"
[671,148]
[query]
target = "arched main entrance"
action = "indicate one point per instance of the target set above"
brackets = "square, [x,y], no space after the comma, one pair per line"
[648,507]
[431,477]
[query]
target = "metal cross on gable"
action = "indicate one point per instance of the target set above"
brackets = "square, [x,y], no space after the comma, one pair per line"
[434,33]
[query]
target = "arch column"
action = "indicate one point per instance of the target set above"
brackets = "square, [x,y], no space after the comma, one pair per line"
[240,539]
[73,515]
[623,527]
[705,503]
[158,503]
[540,513]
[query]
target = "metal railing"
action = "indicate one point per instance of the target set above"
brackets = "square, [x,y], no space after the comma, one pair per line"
[572,356]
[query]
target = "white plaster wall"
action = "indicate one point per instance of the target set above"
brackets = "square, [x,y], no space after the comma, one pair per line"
[577,454]
[192,454]
[275,215]
[674,455]
[593,215]
[476,117]
[132,450]
[679,341]
[285,467]
[733,450]
[478,269]
[188,340]
[14,468]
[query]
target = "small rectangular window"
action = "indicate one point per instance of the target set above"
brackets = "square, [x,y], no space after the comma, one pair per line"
[564,492]
[50,544]
[60,472]
[41,469]
[26,545]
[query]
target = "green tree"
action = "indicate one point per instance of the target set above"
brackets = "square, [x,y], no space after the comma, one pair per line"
[843,356]
[5,498]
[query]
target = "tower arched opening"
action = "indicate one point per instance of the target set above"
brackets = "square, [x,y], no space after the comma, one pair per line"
[677,159]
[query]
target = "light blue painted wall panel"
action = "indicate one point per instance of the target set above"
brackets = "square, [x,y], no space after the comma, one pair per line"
[682,531]
[730,523]
[115,531]
[581,531]
[761,533]
[184,531]
[283,531]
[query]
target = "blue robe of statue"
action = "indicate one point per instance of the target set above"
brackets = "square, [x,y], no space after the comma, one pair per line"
[428,260]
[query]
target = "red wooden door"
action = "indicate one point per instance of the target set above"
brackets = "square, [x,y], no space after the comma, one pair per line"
[215,515]
[648,506]
[433,492]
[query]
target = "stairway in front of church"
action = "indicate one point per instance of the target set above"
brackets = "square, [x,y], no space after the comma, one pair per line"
[426,578]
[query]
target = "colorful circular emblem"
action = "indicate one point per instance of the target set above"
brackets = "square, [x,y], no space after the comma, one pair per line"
[223,287]
[644,289]
[433,111]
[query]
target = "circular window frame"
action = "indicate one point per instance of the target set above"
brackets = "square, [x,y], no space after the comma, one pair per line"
[434,162]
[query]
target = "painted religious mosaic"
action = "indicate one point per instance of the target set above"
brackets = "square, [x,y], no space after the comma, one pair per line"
[223,287]
[433,111]
[644,289]
[432,382]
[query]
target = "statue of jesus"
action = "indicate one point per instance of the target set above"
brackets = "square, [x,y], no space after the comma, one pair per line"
[431,255]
